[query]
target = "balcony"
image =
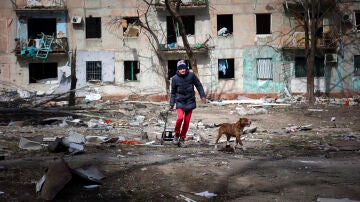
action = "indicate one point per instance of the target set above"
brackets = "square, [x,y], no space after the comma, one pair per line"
[197,48]
[326,41]
[33,48]
[185,4]
[49,5]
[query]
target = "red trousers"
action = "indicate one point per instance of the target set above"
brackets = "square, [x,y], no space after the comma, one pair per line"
[182,122]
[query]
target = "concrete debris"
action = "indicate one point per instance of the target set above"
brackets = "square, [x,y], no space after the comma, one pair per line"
[92,186]
[74,137]
[96,139]
[90,173]
[347,145]
[335,200]
[31,143]
[242,111]
[92,97]
[206,194]
[298,128]
[57,176]
[75,148]
[187,199]
[57,146]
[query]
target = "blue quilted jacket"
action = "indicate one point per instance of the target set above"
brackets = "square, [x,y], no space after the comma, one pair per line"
[182,90]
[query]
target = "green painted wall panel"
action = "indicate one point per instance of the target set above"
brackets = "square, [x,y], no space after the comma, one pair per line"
[251,83]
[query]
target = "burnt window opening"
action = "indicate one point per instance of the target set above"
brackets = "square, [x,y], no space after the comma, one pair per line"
[226,68]
[300,67]
[93,27]
[224,25]
[173,28]
[172,67]
[356,65]
[39,71]
[132,70]
[93,70]
[263,24]
[264,68]
[130,26]
[36,26]
[357,20]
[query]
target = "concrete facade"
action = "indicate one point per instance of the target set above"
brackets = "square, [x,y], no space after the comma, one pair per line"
[243,50]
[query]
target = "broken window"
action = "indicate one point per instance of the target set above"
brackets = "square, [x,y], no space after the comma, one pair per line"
[172,67]
[40,71]
[300,67]
[356,65]
[93,27]
[357,20]
[131,70]
[173,28]
[264,68]
[93,70]
[224,25]
[36,26]
[263,24]
[130,26]
[226,68]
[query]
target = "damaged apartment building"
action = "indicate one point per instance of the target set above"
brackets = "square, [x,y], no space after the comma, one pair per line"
[242,47]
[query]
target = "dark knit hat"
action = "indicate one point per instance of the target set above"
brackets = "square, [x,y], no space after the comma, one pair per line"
[181,64]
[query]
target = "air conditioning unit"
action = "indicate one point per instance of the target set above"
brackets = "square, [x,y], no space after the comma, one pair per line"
[76,20]
[330,57]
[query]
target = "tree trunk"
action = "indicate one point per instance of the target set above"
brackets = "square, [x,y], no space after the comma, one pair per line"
[72,97]
[310,47]
[175,14]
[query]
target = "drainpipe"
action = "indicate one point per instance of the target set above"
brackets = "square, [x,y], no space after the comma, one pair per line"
[132,71]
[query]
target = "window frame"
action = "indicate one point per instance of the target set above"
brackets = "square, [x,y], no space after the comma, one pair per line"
[357,20]
[130,19]
[319,70]
[48,70]
[356,65]
[133,72]
[258,24]
[230,67]
[96,74]
[172,34]
[268,76]
[224,17]
[92,32]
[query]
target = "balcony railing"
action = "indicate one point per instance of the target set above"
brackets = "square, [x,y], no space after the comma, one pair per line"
[328,40]
[197,48]
[160,4]
[45,3]
[30,47]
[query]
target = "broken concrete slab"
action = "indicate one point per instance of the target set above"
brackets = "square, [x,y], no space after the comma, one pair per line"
[31,143]
[89,173]
[57,176]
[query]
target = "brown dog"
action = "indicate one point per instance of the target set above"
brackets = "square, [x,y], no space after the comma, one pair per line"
[233,130]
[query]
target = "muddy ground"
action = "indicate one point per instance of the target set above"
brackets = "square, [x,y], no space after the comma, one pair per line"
[296,153]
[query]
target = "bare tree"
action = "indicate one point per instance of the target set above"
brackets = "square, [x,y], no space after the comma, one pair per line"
[310,15]
[173,7]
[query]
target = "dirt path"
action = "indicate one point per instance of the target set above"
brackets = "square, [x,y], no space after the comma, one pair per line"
[278,164]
